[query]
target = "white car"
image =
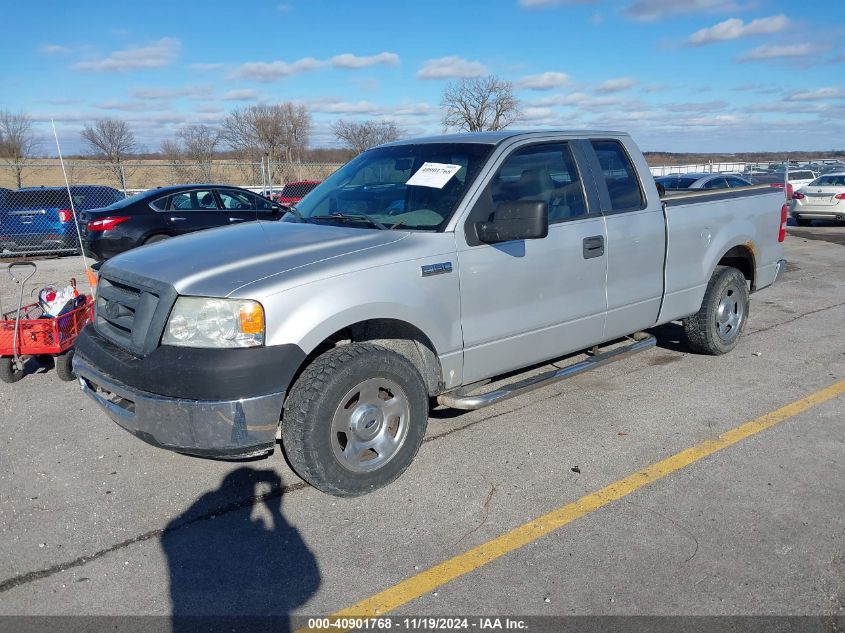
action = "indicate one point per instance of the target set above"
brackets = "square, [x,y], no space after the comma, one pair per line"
[821,199]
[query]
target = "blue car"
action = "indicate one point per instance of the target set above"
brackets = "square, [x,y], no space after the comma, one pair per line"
[39,219]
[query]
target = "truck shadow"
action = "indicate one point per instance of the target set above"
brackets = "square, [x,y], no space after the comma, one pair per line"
[235,563]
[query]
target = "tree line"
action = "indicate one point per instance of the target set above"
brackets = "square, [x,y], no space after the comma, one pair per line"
[278,133]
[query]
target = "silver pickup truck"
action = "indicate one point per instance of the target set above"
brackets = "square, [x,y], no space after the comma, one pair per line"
[418,273]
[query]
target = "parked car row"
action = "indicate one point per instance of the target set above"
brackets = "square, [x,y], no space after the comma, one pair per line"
[40,219]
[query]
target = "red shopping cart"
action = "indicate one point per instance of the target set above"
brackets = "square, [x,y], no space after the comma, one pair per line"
[29,331]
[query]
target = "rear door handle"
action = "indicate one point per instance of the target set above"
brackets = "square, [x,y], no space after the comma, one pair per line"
[593,246]
[236,219]
[176,218]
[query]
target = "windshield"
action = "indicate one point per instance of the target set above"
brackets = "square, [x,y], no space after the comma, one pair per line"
[374,186]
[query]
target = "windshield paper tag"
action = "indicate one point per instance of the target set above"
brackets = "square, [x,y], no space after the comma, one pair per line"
[433,175]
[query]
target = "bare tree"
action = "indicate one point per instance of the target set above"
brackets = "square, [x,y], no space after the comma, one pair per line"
[193,153]
[360,136]
[478,104]
[111,140]
[17,141]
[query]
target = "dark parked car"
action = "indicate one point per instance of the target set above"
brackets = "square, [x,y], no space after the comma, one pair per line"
[40,219]
[157,214]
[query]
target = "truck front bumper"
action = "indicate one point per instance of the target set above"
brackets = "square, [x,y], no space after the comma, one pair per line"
[208,428]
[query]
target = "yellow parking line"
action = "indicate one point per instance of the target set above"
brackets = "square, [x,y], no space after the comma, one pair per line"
[428,580]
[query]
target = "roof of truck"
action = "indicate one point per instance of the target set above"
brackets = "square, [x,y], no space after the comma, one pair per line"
[494,138]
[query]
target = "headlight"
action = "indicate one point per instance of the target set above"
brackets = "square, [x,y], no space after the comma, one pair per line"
[204,322]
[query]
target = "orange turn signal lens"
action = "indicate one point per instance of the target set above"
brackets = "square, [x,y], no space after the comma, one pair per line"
[252,318]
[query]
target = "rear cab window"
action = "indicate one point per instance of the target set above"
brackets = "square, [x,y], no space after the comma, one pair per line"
[620,176]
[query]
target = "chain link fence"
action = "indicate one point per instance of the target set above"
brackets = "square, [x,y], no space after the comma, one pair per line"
[37,213]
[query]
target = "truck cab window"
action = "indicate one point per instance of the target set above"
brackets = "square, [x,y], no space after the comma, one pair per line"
[619,176]
[540,172]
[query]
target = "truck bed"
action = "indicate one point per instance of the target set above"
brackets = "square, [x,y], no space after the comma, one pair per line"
[703,225]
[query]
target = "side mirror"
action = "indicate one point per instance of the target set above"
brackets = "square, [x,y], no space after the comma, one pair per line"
[522,220]
[277,208]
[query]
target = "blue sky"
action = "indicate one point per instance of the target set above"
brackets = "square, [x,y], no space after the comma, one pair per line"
[680,75]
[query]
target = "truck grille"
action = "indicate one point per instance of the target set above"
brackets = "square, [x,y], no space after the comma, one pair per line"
[131,315]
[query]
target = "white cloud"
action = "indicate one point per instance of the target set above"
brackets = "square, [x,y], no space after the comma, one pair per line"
[130,106]
[542,4]
[735,28]
[534,114]
[53,49]
[778,51]
[616,85]
[244,94]
[451,67]
[819,94]
[703,106]
[284,7]
[267,72]
[157,54]
[647,10]
[345,107]
[194,92]
[543,81]
[206,66]
[348,60]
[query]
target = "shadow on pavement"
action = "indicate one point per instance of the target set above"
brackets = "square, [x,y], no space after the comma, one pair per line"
[231,571]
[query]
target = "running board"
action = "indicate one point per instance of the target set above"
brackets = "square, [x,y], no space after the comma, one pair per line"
[457,400]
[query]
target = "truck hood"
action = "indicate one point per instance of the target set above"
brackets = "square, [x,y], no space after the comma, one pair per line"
[216,262]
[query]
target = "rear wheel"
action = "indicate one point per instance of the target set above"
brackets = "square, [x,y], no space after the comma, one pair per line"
[716,327]
[355,419]
[64,366]
[8,372]
[156,238]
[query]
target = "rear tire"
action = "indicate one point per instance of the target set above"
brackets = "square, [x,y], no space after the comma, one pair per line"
[803,221]
[64,366]
[355,419]
[156,238]
[716,327]
[8,372]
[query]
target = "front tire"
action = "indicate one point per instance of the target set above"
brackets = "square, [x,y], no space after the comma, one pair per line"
[64,366]
[355,419]
[716,327]
[8,372]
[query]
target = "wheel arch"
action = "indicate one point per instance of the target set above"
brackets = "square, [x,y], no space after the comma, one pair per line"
[397,335]
[743,258]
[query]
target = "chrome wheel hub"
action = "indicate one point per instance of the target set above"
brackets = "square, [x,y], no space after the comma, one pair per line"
[370,425]
[730,313]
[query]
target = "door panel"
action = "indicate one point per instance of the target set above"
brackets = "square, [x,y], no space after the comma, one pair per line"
[531,300]
[236,206]
[194,210]
[636,240]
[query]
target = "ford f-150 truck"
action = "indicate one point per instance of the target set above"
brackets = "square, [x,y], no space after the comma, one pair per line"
[417,273]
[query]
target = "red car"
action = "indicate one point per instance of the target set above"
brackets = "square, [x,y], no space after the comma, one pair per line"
[295,191]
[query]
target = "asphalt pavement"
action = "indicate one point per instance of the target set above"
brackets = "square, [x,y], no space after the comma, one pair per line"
[93,521]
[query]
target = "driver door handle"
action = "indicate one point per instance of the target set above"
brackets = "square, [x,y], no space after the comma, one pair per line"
[236,219]
[593,246]
[176,218]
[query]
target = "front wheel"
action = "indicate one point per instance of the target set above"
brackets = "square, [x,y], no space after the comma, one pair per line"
[64,366]
[8,371]
[355,419]
[716,327]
